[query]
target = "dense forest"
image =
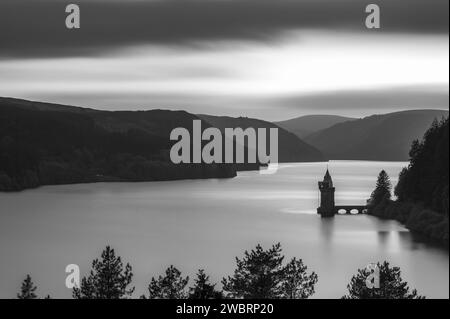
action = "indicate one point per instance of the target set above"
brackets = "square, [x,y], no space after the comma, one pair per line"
[422,191]
[47,144]
[42,145]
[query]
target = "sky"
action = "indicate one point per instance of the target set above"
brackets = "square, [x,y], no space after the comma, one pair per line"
[270,59]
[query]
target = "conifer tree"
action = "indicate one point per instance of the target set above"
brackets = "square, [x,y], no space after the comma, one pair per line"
[203,289]
[171,286]
[257,276]
[27,291]
[391,285]
[297,283]
[382,190]
[108,279]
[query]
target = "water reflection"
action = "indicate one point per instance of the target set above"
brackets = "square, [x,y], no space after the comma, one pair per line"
[383,238]
[327,230]
[207,223]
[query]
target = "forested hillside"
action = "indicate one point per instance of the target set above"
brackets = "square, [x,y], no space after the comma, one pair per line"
[426,179]
[422,191]
[290,147]
[42,144]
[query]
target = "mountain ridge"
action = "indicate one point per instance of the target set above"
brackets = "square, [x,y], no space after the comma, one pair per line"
[47,144]
[376,137]
[290,145]
[303,126]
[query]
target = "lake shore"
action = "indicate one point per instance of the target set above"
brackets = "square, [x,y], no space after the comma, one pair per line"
[418,219]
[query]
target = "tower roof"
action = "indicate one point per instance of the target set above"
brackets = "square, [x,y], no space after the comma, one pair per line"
[327,178]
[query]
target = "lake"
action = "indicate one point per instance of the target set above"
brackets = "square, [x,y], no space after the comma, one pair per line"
[205,224]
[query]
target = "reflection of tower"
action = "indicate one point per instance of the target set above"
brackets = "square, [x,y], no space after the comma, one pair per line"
[327,206]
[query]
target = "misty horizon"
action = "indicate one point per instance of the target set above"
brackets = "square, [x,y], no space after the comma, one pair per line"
[237,115]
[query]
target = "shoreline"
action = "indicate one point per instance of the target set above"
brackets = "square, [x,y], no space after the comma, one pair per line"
[409,215]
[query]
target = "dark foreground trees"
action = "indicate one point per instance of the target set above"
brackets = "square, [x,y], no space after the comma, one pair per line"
[171,286]
[261,275]
[108,279]
[203,289]
[296,283]
[391,285]
[28,289]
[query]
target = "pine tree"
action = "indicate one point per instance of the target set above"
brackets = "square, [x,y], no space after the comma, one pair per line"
[261,275]
[203,289]
[27,291]
[391,286]
[296,283]
[257,276]
[171,286]
[414,152]
[382,190]
[108,279]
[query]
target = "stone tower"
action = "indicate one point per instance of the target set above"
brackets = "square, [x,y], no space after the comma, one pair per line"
[327,206]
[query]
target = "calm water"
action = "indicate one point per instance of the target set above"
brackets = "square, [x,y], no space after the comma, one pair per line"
[205,224]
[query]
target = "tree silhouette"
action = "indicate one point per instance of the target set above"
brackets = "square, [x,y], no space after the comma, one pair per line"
[171,286]
[27,291]
[296,283]
[257,276]
[382,190]
[391,285]
[261,275]
[108,279]
[425,180]
[422,190]
[203,289]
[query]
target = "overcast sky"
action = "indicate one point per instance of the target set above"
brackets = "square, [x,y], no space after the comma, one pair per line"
[272,59]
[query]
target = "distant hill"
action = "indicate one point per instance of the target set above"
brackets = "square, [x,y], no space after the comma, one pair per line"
[377,137]
[306,125]
[46,144]
[291,148]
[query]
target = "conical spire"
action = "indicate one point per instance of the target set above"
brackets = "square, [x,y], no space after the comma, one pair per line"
[327,178]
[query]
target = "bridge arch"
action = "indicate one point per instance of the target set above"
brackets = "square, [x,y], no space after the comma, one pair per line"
[350,210]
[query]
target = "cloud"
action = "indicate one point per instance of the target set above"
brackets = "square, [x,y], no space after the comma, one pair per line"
[308,72]
[31,28]
[359,103]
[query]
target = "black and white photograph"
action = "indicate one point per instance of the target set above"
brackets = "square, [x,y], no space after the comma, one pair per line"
[212,152]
